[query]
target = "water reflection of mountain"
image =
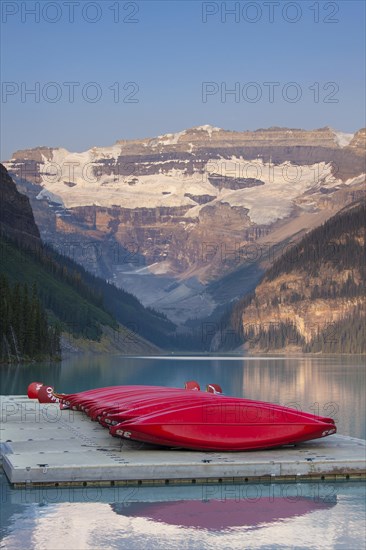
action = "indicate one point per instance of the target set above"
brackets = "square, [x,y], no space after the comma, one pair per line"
[325,386]
[16,378]
[219,515]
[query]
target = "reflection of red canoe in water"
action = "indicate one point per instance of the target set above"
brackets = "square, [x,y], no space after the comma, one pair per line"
[218,515]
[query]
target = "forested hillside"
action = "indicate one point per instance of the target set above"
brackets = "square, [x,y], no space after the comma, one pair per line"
[67,297]
[24,326]
[313,297]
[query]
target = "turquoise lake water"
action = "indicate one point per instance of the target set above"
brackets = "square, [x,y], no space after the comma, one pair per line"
[317,515]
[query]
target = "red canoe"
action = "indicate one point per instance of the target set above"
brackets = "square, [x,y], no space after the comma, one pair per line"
[119,401]
[233,425]
[149,405]
[82,400]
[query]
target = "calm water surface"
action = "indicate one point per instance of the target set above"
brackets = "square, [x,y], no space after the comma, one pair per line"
[330,386]
[318,515]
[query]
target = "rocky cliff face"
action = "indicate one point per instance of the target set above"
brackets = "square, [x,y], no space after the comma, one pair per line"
[313,297]
[358,142]
[162,217]
[16,216]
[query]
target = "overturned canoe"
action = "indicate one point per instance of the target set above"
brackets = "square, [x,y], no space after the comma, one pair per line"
[229,425]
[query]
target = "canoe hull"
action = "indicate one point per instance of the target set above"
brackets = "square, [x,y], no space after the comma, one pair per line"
[214,437]
[232,426]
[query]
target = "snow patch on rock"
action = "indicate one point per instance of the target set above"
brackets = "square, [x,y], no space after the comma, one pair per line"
[354,181]
[170,139]
[284,185]
[342,139]
[51,197]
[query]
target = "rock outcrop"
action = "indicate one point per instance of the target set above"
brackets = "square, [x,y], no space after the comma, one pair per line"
[16,215]
[313,297]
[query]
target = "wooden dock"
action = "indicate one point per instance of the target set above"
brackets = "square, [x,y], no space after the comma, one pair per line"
[43,445]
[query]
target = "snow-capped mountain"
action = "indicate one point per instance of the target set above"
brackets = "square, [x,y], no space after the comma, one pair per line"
[164,216]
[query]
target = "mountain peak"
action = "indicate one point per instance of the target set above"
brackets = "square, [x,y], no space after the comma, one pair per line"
[206,128]
[175,138]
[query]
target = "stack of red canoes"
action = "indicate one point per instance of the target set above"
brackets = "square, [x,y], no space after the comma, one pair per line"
[198,420]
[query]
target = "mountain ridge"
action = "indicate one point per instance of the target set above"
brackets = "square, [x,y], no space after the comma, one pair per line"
[207,133]
[163,217]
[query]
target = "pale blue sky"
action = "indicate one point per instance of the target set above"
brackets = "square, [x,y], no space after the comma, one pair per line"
[168,53]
